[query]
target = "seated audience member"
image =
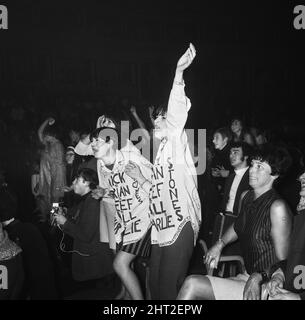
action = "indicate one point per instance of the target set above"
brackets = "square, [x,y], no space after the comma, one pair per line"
[91,259]
[240,133]
[39,274]
[238,181]
[287,277]
[260,136]
[221,166]
[11,268]
[263,228]
[210,200]
[74,137]
[72,166]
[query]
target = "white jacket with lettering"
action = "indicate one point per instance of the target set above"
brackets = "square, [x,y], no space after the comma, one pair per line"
[130,199]
[174,198]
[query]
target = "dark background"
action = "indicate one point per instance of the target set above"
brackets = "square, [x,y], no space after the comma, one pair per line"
[74,60]
[250,58]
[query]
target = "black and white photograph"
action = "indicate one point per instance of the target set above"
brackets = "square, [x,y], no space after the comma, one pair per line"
[154,151]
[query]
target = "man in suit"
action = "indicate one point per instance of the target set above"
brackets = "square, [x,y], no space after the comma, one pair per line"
[236,183]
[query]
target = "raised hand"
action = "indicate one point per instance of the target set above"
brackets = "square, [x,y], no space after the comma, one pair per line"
[186,59]
[51,121]
[133,109]
[103,121]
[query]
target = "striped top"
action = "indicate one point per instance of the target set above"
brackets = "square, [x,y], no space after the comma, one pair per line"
[253,228]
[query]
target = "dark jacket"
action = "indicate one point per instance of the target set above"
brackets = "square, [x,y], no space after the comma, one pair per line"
[221,158]
[243,186]
[91,258]
[91,164]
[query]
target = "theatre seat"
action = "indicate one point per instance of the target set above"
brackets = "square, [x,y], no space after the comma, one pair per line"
[230,257]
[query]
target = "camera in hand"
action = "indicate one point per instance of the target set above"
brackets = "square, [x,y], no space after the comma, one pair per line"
[54,210]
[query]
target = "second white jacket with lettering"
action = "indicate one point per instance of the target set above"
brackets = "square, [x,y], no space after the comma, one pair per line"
[130,199]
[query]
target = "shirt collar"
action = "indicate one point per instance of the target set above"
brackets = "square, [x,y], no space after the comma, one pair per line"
[240,172]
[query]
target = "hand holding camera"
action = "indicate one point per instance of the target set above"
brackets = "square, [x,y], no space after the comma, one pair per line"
[57,215]
[60,219]
[98,193]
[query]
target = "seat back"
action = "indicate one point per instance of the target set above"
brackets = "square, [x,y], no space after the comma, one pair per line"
[231,254]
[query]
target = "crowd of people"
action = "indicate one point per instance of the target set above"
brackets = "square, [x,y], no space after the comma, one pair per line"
[108,200]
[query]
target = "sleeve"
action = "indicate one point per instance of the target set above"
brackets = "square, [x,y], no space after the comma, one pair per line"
[85,228]
[178,107]
[279,271]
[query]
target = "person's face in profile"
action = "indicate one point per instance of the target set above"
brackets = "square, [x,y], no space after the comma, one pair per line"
[70,157]
[219,141]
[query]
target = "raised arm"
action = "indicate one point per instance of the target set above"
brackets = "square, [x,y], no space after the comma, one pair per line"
[184,62]
[50,122]
[140,122]
[179,104]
